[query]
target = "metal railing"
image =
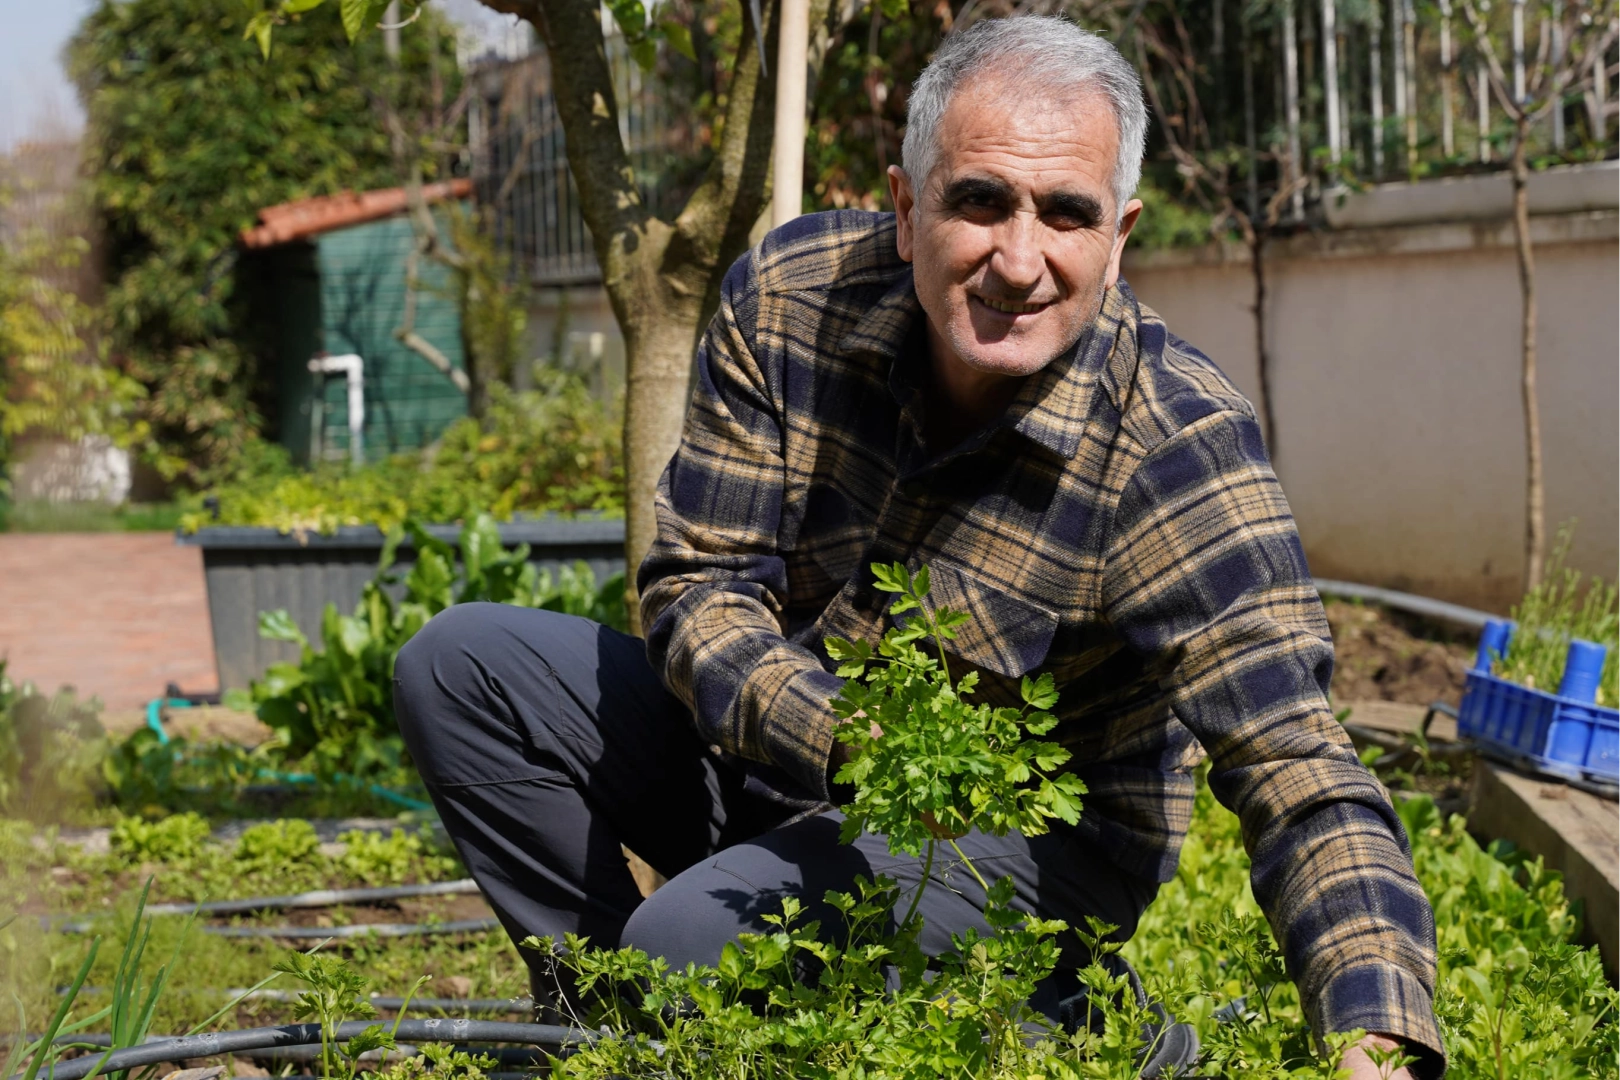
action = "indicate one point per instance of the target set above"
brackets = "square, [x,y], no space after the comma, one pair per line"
[521,165]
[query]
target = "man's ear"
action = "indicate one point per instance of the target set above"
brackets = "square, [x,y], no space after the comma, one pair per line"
[1127,222]
[905,204]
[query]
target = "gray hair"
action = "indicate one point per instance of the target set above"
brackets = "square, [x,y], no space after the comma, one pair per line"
[1041,50]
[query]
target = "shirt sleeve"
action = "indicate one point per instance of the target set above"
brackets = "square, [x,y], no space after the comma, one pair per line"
[1206,578]
[713,585]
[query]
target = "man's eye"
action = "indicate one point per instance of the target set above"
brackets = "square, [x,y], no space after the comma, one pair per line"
[980,206]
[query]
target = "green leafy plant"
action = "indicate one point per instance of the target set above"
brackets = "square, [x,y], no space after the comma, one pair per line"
[332,712]
[440,1060]
[171,838]
[372,858]
[928,762]
[337,993]
[795,1002]
[273,845]
[1564,607]
[553,449]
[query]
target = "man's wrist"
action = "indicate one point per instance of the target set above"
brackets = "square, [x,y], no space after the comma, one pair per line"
[1379,1057]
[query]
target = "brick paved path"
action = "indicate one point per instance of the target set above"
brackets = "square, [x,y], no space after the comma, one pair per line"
[117,615]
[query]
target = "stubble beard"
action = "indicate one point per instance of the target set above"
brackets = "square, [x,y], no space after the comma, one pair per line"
[963,343]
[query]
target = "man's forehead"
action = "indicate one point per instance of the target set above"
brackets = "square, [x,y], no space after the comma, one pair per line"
[993,129]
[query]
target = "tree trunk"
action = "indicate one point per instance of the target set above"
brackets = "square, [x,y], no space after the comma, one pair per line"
[661,325]
[1535,526]
[1262,355]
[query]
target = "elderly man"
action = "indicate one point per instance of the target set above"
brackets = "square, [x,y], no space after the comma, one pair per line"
[965,384]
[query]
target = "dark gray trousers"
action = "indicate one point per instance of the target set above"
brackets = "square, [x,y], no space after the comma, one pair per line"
[547,741]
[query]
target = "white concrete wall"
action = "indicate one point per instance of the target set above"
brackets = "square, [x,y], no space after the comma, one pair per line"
[1395,377]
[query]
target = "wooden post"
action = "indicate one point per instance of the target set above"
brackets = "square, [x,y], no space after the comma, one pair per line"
[792,77]
[1557,30]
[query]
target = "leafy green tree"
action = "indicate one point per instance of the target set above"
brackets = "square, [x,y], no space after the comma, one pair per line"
[190,133]
[54,378]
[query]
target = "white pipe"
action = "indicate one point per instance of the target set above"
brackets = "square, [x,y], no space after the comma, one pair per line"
[792,78]
[1296,164]
[1330,75]
[353,369]
[1375,56]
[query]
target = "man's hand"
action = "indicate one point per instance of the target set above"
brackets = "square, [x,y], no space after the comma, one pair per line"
[1365,1066]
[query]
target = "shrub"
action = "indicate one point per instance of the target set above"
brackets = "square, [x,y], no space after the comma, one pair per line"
[51,747]
[555,449]
[333,710]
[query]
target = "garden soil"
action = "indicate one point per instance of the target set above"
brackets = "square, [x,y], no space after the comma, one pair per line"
[1383,655]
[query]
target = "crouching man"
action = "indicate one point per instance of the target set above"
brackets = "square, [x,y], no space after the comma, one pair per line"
[964,384]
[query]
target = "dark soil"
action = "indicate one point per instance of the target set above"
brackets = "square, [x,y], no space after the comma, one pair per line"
[1383,655]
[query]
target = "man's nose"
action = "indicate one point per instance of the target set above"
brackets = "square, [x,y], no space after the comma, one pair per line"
[1018,259]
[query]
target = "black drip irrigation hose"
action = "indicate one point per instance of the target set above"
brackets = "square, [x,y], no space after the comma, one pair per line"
[247,1042]
[308,933]
[1441,610]
[317,898]
[519,1006]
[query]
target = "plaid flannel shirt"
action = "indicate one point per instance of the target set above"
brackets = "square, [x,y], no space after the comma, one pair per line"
[1120,526]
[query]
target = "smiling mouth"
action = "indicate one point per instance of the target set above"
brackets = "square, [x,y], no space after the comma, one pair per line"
[1007,307]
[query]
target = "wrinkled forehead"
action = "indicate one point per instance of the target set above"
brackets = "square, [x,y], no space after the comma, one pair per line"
[1028,131]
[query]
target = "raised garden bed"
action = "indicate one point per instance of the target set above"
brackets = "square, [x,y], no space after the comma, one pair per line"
[249,570]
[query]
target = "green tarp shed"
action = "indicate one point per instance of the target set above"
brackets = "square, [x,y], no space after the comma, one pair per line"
[327,276]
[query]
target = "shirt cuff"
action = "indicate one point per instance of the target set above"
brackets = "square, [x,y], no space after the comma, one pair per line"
[1390,1001]
[797,729]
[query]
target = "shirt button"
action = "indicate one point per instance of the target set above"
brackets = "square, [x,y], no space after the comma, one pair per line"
[914,490]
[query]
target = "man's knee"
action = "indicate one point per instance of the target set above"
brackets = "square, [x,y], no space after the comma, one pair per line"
[461,667]
[691,918]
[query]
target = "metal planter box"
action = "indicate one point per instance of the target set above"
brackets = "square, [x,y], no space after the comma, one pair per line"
[250,569]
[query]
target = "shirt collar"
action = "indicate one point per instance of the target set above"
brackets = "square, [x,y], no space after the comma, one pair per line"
[1050,409]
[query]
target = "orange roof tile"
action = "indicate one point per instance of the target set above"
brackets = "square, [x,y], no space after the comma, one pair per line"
[303,218]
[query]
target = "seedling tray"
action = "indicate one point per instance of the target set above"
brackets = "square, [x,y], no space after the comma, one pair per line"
[1562,736]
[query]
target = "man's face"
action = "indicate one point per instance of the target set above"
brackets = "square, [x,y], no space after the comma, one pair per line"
[1012,238]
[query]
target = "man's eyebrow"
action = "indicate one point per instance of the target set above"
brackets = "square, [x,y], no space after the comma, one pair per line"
[975,188]
[1074,204]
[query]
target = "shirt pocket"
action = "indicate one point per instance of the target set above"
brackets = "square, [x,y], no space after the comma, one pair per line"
[1005,634]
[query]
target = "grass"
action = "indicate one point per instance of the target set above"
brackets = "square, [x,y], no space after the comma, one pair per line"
[40,874]
[1566,606]
[51,517]
[1193,944]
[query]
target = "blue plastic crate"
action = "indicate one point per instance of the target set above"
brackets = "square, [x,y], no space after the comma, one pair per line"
[1560,734]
